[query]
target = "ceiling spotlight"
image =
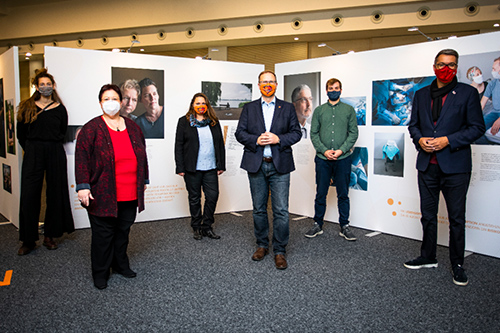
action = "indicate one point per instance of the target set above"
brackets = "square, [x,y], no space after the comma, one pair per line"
[142,50]
[331,48]
[496,25]
[115,50]
[351,52]
[417,29]
[28,54]
[296,38]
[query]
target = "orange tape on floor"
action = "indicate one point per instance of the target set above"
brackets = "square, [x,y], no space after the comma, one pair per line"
[6,279]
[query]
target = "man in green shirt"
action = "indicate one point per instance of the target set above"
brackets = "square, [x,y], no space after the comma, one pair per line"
[334,131]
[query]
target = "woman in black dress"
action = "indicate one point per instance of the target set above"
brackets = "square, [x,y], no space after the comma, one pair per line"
[42,121]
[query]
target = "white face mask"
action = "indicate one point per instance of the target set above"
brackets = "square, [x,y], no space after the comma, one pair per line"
[111,107]
[478,79]
[495,75]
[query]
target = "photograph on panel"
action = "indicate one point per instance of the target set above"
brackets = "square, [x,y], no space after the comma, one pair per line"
[359,105]
[388,154]
[304,92]
[3,141]
[11,131]
[70,138]
[227,98]
[7,179]
[358,179]
[482,71]
[142,98]
[392,99]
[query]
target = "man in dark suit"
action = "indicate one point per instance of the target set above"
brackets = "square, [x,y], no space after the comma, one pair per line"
[268,127]
[446,118]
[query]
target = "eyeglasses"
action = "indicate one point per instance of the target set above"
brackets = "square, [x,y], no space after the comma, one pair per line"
[451,65]
[304,99]
[268,82]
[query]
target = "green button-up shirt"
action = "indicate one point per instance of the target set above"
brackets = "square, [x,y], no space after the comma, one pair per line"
[334,127]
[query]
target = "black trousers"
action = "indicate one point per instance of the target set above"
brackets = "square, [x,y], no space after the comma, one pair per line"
[110,237]
[46,158]
[195,181]
[454,187]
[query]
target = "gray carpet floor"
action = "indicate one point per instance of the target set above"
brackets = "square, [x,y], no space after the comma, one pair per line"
[184,285]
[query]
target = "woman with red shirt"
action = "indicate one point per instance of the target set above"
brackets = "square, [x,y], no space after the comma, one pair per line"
[111,172]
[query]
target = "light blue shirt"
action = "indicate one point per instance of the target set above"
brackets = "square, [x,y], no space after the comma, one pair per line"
[492,91]
[206,153]
[268,113]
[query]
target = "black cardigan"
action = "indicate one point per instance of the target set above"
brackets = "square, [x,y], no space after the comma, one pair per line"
[187,146]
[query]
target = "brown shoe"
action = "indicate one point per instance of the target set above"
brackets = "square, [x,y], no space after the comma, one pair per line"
[260,254]
[280,261]
[25,249]
[49,243]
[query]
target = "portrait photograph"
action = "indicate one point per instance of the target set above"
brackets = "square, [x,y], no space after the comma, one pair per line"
[7,178]
[475,69]
[10,126]
[143,92]
[303,91]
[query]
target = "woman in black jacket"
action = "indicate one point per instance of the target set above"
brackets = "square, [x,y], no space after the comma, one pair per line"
[200,158]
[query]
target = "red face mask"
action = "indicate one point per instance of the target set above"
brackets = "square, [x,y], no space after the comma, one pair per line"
[445,74]
[200,109]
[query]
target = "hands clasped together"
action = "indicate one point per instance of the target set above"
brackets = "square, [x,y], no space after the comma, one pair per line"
[431,145]
[267,138]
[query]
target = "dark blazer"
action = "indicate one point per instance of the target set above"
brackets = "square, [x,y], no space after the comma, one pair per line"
[461,120]
[285,125]
[95,167]
[187,145]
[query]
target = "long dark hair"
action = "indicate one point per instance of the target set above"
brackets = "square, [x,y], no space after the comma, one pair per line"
[210,111]
[27,111]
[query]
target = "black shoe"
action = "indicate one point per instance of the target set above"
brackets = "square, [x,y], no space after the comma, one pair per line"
[346,232]
[100,284]
[421,263]
[197,234]
[314,231]
[26,248]
[128,273]
[459,276]
[210,234]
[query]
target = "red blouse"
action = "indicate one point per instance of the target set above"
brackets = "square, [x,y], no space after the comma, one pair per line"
[125,166]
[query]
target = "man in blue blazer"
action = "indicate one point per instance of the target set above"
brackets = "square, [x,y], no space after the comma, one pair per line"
[446,118]
[268,127]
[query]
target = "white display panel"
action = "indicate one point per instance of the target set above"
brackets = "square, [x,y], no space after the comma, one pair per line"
[391,203]
[81,73]
[10,154]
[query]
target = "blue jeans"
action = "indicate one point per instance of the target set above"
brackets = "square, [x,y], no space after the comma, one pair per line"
[340,171]
[265,180]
